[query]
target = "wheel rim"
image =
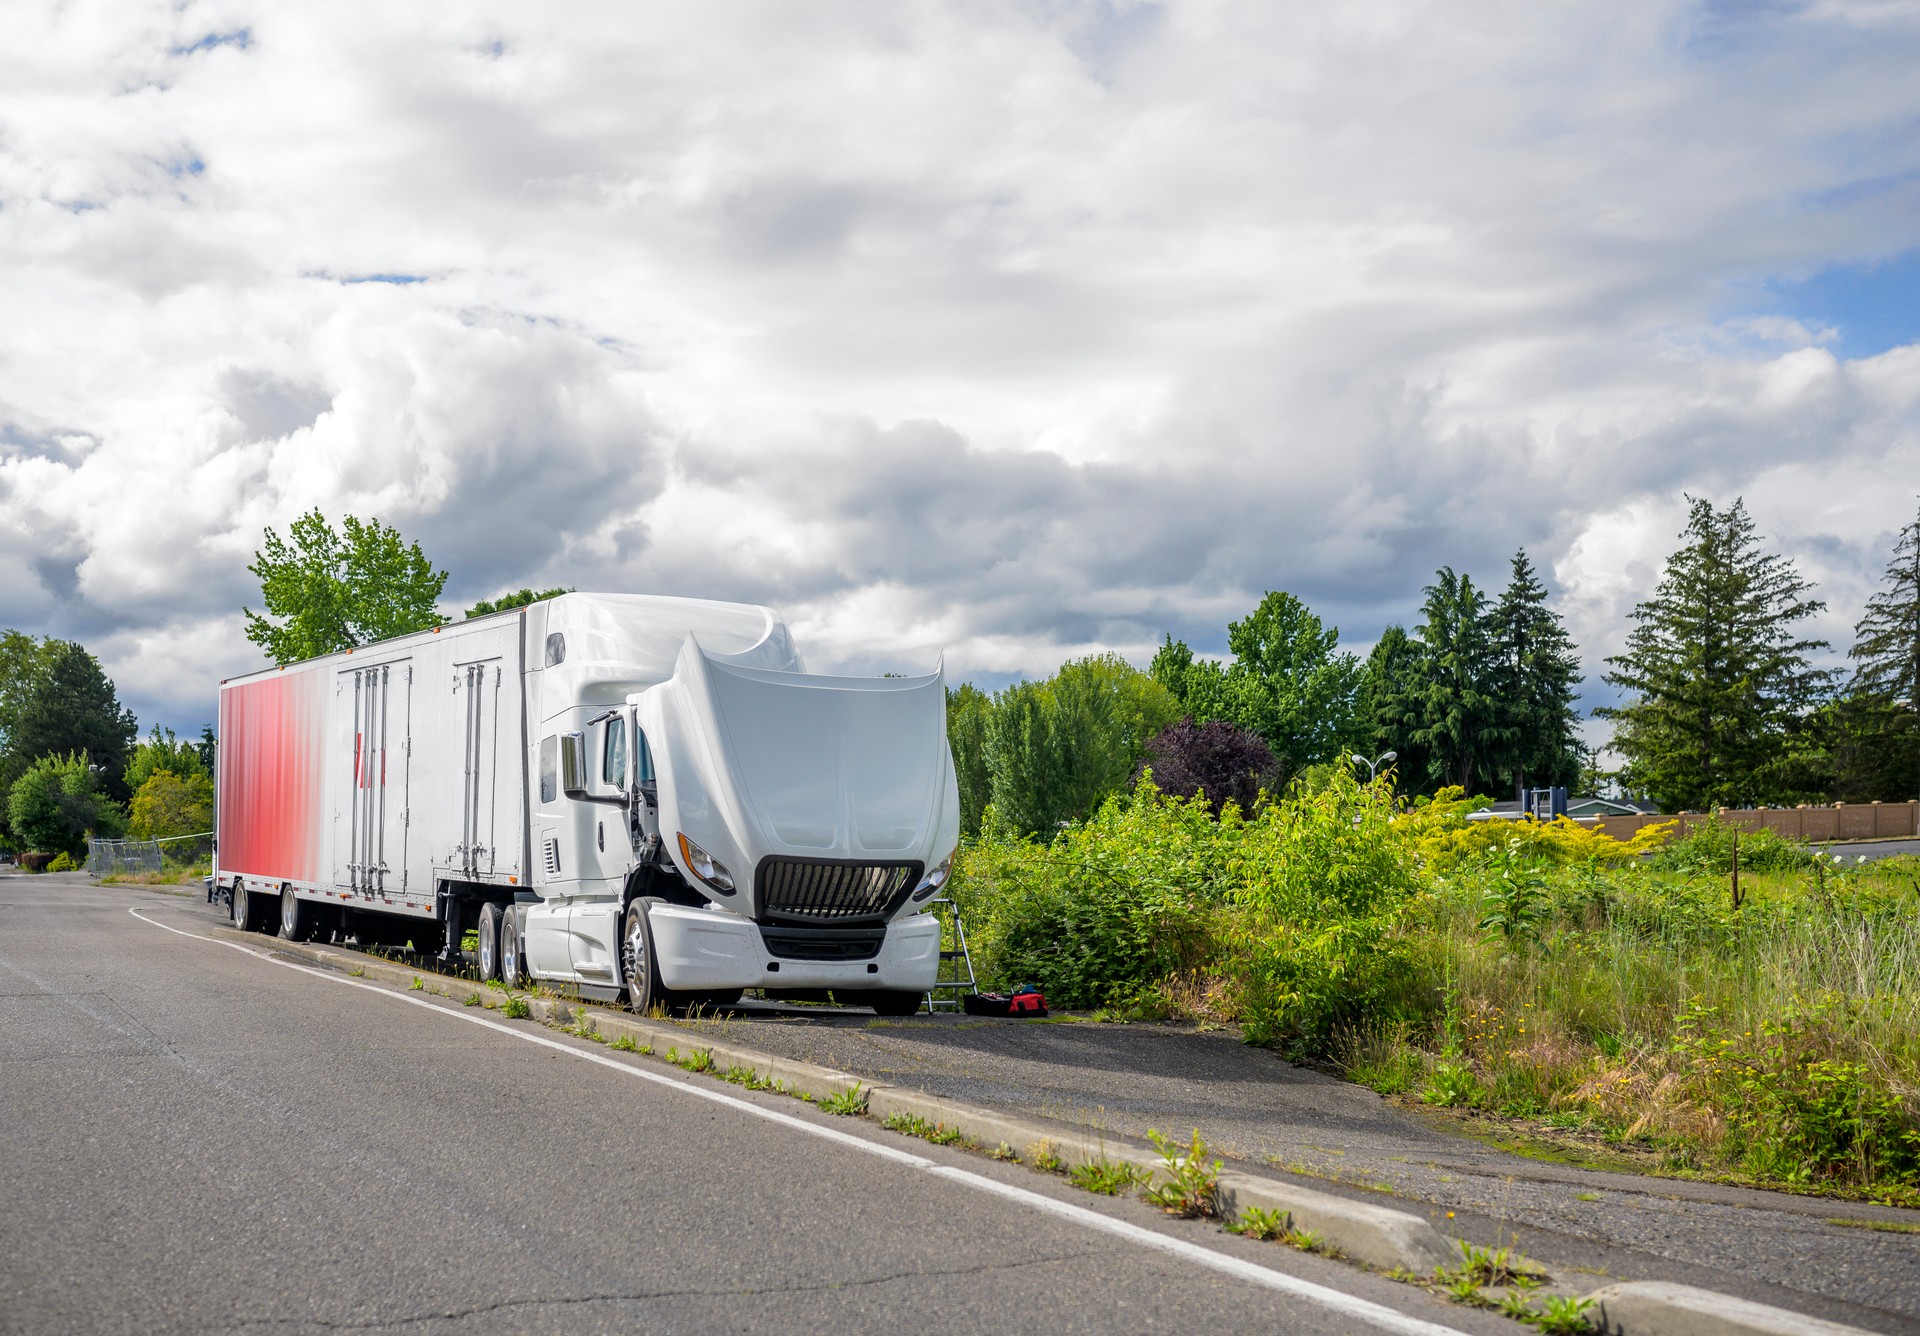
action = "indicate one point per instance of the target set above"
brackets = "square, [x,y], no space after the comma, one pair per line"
[289,914]
[487,951]
[633,955]
[237,904]
[509,949]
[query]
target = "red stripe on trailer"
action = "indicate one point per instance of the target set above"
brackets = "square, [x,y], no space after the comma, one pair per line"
[270,761]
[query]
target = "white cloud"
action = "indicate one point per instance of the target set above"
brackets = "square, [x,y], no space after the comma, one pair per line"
[1014,329]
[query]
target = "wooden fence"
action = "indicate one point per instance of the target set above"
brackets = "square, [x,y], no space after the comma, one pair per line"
[1842,821]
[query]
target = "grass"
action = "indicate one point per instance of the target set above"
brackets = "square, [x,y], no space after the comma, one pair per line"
[1776,1044]
[1108,1180]
[1883,1226]
[915,1126]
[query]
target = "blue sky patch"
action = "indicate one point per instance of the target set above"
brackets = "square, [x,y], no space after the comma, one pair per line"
[1873,306]
[239,37]
[400,280]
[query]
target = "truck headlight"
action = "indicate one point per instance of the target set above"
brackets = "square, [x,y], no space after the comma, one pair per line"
[705,866]
[934,880]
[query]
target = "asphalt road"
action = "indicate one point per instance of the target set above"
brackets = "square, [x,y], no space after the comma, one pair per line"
[1275,1118]
[197,1138]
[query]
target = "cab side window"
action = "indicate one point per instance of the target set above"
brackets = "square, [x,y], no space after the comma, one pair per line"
[550,768]
[613,763]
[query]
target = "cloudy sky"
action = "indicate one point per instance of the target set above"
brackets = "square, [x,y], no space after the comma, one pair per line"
[1013,330]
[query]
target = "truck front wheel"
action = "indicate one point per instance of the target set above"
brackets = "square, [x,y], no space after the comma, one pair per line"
[886,1002]
[637,959]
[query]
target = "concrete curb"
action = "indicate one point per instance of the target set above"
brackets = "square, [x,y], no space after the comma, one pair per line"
[1657,1308]
[1376,1235]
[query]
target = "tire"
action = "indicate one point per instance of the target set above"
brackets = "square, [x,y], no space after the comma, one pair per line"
[486,952]
[297,916]
[886,1002]
[513,966]
[638,963]
[246,914]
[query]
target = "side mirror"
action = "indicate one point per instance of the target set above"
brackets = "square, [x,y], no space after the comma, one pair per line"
[573,771]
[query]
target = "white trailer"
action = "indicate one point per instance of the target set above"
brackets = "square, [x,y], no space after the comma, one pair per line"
[628,795]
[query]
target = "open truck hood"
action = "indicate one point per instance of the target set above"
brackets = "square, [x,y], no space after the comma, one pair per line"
[755,763]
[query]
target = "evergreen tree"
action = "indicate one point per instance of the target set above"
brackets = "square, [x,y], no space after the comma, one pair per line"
[1389,707]
[1460,719]
[1720,684]
[57,700]
[1886,681]
[1535,676]
[335,590]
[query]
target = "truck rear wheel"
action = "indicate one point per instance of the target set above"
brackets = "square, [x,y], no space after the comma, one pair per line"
[296,916]
[246,914]
[486,952]
[638,961]
[512,970]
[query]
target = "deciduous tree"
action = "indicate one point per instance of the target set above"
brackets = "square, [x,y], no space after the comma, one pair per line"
[519,598]
[335,589]
[1225,762]
[1289,682]
[57,803]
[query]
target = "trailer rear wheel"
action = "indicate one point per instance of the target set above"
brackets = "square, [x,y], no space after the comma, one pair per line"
[297,917]
[512,971]
[486,952]
[638,961]
[246,913]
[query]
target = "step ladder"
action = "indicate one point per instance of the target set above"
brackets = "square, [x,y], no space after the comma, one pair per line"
[955,980]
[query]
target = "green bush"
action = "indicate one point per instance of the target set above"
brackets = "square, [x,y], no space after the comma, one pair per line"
[1320,882]
[1708,847]
[57,802]
[1103,912]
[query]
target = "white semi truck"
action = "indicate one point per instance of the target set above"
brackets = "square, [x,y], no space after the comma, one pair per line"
[628,796]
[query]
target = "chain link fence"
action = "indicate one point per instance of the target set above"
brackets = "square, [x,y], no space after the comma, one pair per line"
[119,858]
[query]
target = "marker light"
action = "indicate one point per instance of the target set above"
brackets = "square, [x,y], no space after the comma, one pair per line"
[705,866]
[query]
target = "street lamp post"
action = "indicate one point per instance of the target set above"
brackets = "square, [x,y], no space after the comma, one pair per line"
[1374,765]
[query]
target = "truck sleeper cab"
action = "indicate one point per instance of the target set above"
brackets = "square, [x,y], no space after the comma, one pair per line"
[625,794]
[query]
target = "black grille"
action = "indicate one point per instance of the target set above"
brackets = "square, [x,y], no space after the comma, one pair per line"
[822,943]
[819,891]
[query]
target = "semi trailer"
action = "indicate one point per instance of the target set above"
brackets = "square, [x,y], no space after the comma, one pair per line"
[628,796]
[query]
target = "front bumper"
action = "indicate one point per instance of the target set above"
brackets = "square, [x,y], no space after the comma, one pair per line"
[701,950]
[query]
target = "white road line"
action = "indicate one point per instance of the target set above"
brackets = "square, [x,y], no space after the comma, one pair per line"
[1339,1301]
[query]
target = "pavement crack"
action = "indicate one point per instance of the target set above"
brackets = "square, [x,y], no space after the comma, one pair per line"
[563,1302]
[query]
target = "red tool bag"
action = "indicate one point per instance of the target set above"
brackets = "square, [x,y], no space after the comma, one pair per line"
[1024,1001]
